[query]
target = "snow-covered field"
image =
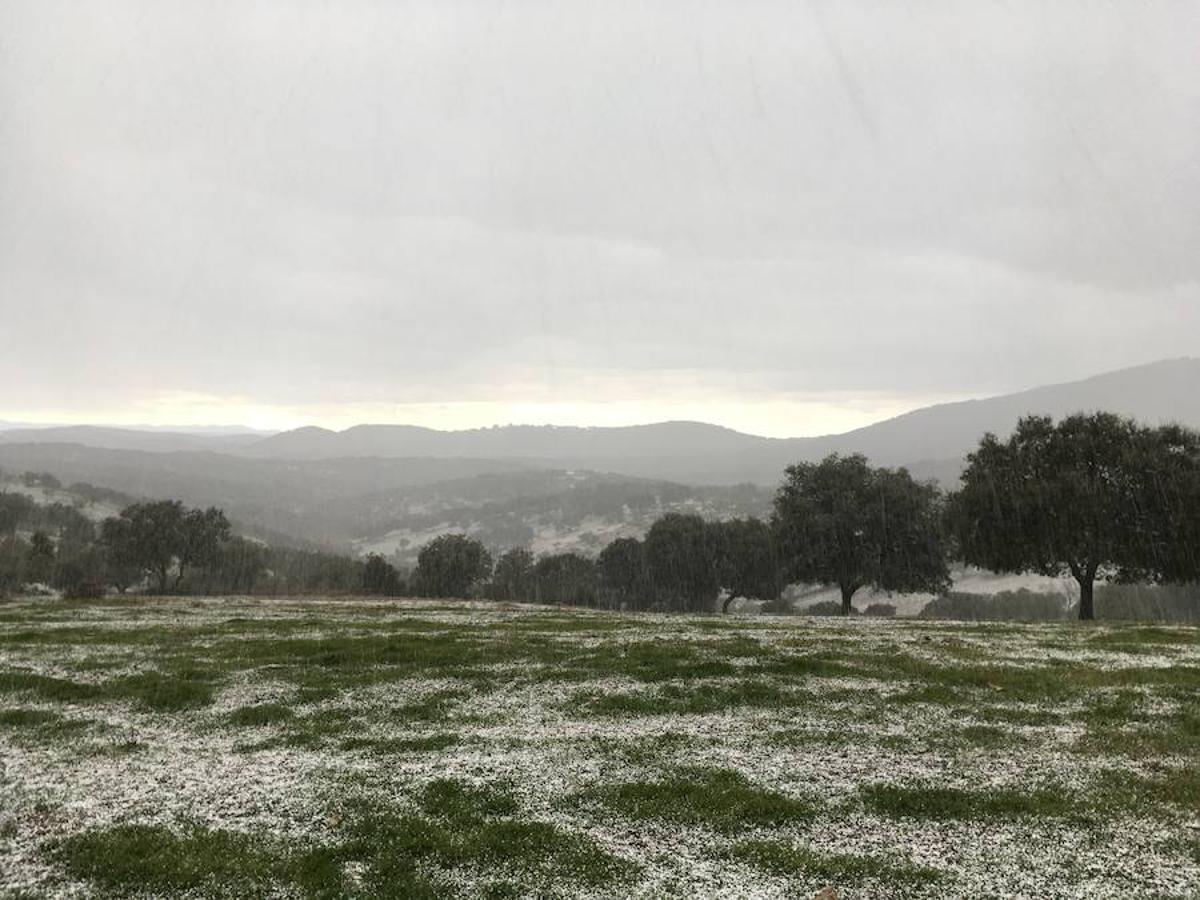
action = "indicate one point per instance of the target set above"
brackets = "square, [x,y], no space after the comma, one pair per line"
[324,748]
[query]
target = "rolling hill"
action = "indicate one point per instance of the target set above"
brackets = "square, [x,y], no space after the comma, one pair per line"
[932,440]
[388,487]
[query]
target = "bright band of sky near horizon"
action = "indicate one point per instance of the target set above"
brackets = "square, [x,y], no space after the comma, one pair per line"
[777,418]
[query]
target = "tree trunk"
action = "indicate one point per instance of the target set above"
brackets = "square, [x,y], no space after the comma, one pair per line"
[1087,585]
[725,603]
[848,591]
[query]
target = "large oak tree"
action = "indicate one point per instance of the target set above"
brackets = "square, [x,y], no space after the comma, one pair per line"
[1098,496]
[165,535]
[842,522]
[452,565]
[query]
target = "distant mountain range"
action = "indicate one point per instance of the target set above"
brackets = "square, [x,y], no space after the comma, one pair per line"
[698,453]
[362,483]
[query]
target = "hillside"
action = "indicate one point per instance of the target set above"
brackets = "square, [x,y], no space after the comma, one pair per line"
[931,440]
[390,487]
[391,505]
[154,440]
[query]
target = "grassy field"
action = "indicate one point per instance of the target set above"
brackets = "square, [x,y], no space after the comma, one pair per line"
[230,747]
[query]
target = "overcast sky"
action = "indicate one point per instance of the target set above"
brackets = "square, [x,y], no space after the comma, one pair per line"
[789,218]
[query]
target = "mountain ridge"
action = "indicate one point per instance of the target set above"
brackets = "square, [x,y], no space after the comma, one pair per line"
[496,482]
[696,452]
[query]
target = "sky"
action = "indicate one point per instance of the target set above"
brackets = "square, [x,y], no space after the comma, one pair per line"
[788,218]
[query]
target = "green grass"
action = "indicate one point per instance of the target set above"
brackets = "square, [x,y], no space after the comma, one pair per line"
[154,691]
[28,718]
[460,827]
[1139,637]
[720,799]
[448,798]
[163,692]
[983,737]
[1186,847]
[152,859]
[966,700]
[40,724]
[951,804]
[697,699]
[1118,729]
[1169,792]
[260,714]
[45,687]
[788,860]
[397,745]
[475,827]
[315,730]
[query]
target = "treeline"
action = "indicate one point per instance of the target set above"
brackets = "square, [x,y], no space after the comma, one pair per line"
[1099,497]
[161,547]
[682,564]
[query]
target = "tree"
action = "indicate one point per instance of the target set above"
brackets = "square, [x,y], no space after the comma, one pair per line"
[14,510]
[566,578]
[163,535]
[747,559]
[842,522]
[452,565]
[14,556]
[122,566]
[41,557]
[1097,496]
[513,579]
[202,533]
[623,579]
[681,564]
[241,563]
[147,535]
[80,573]
[380,576]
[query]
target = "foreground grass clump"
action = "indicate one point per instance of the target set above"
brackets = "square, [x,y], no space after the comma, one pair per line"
[685,700]
[163,692]
[155,691]
[394,853]
[389,746]
[46,687]
[461,825]
[40,724]
[260,714]
[780,858]
[154,859]
[720,799]
[1168,793]
[948,804]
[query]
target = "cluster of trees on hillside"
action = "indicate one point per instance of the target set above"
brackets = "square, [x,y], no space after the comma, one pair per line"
[161,547]
[1099,497]
[838,522]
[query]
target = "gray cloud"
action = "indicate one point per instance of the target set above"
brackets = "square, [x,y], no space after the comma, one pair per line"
[467,201]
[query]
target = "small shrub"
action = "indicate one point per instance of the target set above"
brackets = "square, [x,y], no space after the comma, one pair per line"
[880,610]
[1019,606]
[778,606]
[827,608]
[87,589]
